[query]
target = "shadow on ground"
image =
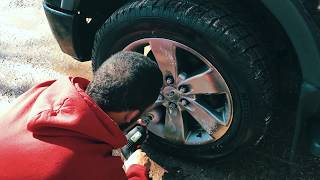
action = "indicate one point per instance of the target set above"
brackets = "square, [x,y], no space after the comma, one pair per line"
[269,160]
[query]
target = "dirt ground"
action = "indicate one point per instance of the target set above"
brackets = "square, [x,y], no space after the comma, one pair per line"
[29,54]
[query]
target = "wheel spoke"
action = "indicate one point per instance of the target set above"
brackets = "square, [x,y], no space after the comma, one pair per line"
[207,119]
[174,128]
[165,53]
[208,82]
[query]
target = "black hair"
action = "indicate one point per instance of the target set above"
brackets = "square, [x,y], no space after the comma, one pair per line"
[126,81]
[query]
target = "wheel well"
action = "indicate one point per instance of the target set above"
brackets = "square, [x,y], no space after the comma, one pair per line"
[287,72]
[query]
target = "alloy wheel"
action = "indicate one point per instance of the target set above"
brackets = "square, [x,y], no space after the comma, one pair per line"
[195,104]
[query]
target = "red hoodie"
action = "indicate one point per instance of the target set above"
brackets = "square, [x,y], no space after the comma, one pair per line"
[56,131]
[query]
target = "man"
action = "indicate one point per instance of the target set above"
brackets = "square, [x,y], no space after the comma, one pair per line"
[67,128]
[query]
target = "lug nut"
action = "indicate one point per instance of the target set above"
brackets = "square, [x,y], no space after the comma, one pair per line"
[169,80]
[184,102]
[171,93]
[183,89]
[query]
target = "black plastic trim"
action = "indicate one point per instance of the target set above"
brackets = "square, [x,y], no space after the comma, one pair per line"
[65,27]
[59,9]
[309,103]
[302,33]
[61,25]
[68,5]
[53,3]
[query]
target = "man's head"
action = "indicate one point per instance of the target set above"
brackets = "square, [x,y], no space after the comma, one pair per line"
[125,84]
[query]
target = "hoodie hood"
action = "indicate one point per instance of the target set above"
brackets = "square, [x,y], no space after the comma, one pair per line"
[64,109]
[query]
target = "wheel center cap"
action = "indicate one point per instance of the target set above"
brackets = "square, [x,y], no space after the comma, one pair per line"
[171,94]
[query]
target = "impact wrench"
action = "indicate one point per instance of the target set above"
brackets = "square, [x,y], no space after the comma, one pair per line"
[136,137]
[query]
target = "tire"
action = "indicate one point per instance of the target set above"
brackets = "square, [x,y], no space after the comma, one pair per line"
[220,38]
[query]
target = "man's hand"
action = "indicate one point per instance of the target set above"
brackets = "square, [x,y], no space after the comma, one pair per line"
[138,157]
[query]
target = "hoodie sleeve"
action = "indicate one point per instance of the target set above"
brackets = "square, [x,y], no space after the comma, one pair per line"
[137,172]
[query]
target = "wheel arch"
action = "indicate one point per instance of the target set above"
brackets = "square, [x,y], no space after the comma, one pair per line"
[300,31]
[303,35]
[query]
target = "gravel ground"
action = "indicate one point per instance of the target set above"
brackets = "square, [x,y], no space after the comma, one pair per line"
[29,54]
